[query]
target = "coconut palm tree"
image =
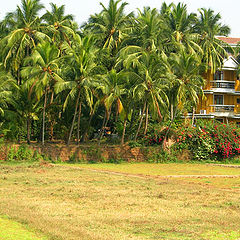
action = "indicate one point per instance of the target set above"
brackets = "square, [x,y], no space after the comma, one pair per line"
[19,42]
[7,86]
[178,29]
[112,86]
[59,25]
[184,73]
[111,25]
[81,60]
[150,89]
[214,50]
[27,107]
[41,73]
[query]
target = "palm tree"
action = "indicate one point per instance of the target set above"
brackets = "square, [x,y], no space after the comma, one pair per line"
[19,42]
[178,29]
[80,58]
[184,73]
[59,25]
[209,26]
[7,86]
[111,25]
[112,86]
[151,89]
[26,106]
[42,74]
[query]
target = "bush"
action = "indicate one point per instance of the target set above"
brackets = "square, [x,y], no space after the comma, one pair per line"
[208,140]
[23,154]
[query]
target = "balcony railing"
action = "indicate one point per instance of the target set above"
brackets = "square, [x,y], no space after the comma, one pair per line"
[223,84]
[223,108]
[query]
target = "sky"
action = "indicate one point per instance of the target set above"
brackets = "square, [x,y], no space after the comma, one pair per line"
[82,9]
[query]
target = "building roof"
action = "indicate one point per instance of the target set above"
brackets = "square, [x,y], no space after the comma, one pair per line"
[229,40]
[230,63]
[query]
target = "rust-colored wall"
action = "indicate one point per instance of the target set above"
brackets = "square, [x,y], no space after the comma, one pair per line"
[87,153]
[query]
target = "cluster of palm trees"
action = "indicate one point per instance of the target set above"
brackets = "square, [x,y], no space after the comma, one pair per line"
[62,81]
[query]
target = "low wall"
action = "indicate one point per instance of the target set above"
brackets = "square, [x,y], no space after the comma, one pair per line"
[85,153]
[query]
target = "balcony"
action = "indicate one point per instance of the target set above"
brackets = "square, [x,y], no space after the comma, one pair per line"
[223,108]
[222,86]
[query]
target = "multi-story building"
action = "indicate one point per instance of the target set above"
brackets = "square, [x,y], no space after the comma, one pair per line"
[222,91]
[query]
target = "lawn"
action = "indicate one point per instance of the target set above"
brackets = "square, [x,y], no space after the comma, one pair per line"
[154,169]
[10,230]
[73,203]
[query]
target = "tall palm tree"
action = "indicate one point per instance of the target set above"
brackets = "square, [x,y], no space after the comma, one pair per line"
[184,73]
[110,25]
[81,60]
[112,86]
[42,73]
[7,87]
[59,25]
[178,28]
[214,50]
[19,42]
[27,107]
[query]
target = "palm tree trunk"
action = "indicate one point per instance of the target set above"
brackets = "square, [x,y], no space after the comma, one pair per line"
[193,116]
[78,123]
[87,129]
[141,119]
[146,122]
[172,111]
[28,130]
[74,117]
[105,125]
[52,123]
[44,114]
[124,130]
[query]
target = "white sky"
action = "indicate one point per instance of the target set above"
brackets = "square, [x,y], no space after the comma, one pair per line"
[229,9]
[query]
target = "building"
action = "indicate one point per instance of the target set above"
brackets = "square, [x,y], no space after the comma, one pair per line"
[222,91]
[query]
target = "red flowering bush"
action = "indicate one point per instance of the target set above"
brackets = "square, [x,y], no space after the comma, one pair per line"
[210,140]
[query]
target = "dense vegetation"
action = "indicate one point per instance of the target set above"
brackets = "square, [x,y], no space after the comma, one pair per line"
[118,72]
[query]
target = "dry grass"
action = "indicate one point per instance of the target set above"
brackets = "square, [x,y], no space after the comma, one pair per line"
[66,203]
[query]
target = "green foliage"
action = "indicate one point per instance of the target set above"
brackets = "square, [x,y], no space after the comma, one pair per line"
[133,144]
[114,71]
[23,154]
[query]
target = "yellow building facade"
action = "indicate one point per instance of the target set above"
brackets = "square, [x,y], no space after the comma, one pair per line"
[221,99]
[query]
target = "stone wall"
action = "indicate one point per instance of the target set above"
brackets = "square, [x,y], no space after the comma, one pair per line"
[84,153]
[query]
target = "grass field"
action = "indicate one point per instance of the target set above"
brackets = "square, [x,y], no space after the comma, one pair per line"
[71,203]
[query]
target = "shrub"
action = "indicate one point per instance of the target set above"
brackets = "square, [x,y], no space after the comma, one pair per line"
[23,154]
[208,140]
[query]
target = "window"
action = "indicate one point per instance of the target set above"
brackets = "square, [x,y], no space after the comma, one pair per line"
[218,99]
[238,100]
[218,75]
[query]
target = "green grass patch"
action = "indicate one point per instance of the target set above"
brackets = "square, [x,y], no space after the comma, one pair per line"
[10,230]
[154,169]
